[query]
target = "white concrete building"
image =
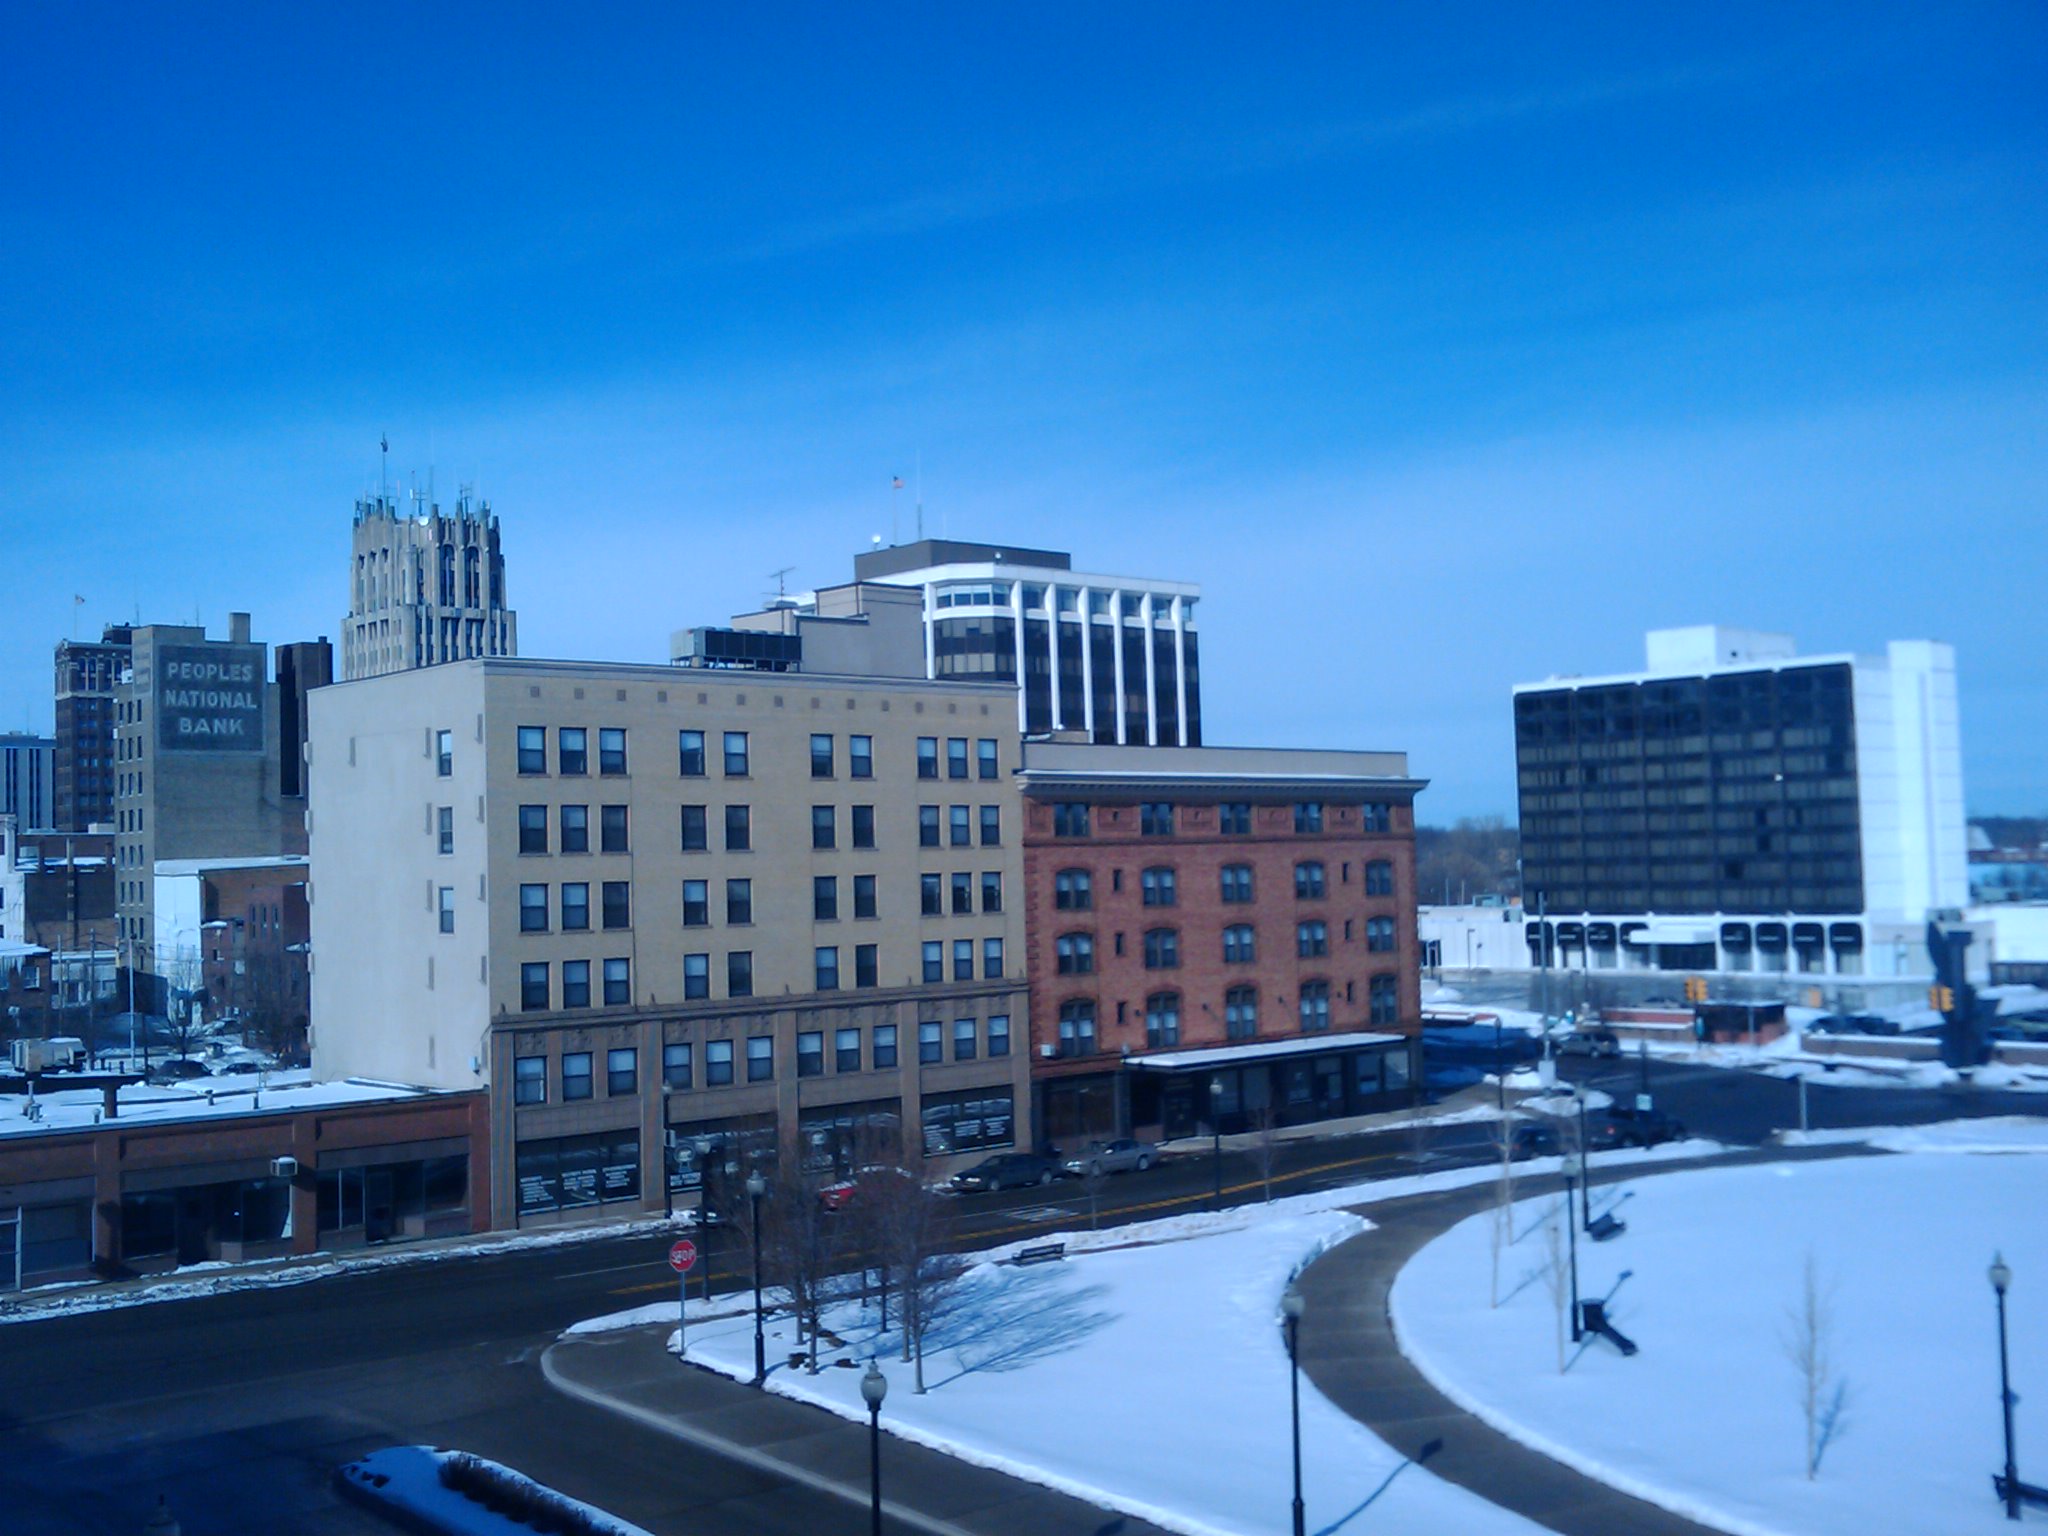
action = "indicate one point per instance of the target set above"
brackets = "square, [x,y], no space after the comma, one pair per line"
[425,587]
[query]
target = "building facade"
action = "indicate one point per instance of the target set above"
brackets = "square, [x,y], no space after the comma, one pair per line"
[28,773]
[1736,806]
[425,587]
[1218,934]
[775,910]
[88,674]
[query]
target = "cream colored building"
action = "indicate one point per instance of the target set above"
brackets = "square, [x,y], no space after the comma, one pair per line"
[651,904]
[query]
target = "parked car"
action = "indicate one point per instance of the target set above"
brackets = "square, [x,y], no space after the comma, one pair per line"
[1123,1155]
[177,1069]
[1623,1125]
[1009,1170]
[1590,1042]
[1535,1138]
[838,1196]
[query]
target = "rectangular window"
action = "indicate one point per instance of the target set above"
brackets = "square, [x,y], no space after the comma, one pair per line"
[1234,819]
[611,750]
[760,1058]
[575,829]
[1240,1013]
[530,1080]
[735,754]
[810,1053]
[991,826]
[618,983]
[444,829]
[572,750]
[824,827]
[1385,994]
[1237,882]
[445,903]
[577,1079]
[444,754]
[1310,881]
[1308,816]
[621,1071]
[1155,818]
[1073,890]
[860,757]
[931,895]
[738,829]
[533,829]
[991,890]
[1376,818]
[863,826]
[998,1034]
[991,959]
[1239,945]
[675,1065]
[1311,940]
[845,1050]
[1162,949]
[1075,953]
[739,973]
[962,886]
[959,827]
[1379,878]
[863,896]
[1315,1006]
[865,969]
[824,898]
[821,756]
[690,754]
[1069,818]
[934,955]
[885,1046]
[985,757]
[826,967]
[533,986]
[717,1063]
[963,1039]
[963,959]
[930,1046]
[956,757]
[618,904]
[611,829]
[1159,887]
[695,838]
[533,909]
[533,749]
[696,903]
[575,906]
[927,826]
[739,901]
[927,757]
[696,977]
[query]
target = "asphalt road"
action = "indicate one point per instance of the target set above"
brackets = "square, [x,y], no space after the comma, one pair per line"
[238,1407]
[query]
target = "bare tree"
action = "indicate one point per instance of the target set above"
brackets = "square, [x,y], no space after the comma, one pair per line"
[1265,1147]
[913,1236]
[1502,1235]
[1808,1342]
[1556,1272]
[800,1243]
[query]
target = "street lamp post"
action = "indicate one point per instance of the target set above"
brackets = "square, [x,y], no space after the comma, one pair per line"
[756,1188]
[1292,1304]
[1500,1067]
[1216,1133]
[1574,1166]
[874,1386]
[2001,1277]
[1585,1168]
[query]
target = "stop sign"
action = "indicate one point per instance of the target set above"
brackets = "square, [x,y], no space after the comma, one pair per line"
[682,1258]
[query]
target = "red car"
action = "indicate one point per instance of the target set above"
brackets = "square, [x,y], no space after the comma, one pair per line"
[837,1196]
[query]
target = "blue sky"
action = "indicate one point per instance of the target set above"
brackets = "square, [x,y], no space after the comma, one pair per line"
[1447,347]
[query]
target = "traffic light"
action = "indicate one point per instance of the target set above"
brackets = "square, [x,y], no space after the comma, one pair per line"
[1695,989]
[1942,999]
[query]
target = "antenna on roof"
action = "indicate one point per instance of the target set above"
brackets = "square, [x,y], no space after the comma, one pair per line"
[383,466]
[781,586]
[920,495]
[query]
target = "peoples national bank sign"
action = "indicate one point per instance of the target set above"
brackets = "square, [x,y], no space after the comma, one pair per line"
[209,698]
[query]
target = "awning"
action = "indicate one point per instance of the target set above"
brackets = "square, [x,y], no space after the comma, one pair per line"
[1669,930]
[1240,1055]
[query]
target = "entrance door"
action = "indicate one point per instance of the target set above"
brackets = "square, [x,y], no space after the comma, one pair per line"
[195,1226]
[377,1205]
[10,1248]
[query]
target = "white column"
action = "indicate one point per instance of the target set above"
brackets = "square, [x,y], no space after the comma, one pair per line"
[1180,662]
[930,652]
[1116,634]
[1052,640]
[1151,690]
[1017,614]
[1088,661]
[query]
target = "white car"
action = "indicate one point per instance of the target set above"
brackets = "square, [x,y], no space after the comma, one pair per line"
[1121,1156]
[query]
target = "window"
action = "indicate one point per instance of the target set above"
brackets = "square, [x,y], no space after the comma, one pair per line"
[717,1063]
[690,754]
[575,906]
[444,754]
[735,754]
[1315,1006]
[1077,1027]
[824,827]
[611,751]
[845,1050]
[577,1082]
[575,829]
[1308,816]
[991,826]
[618,983]
[1158,886]
[1155,818]
[1162,949]
[810,1053]
[621,1071]
[533,749]
[533,909]
[1311,939]
[530,1080]
[956,757]
[959,827]
[695,838]
[444,829]
[1239,945]
[987,768]
[964,1039]
[927,826]
[1379,935]
[1309,880]
[738,829]
[1237,882]
[696,977]
[931,895]
[1385,995]
[992,890]
[1375,818]
[1379,878]
[963,959]
[1240,1013]
[863,826]
[617,896]
[760,1058]
[821,757]
[444,901]
[962,886]
[675,1065]
[927,757]
[933,954]
[1162,1019]
[991,959]
[1073,891]
[533,986]
[572,750]
[929,1046]
[533,829]
[860,757]
[739,973]
[611,829]
[1069,818]
[826,968]
[1234,819]
[1075,953]
[739,901]
[696,903]
[998,1034]
[866,970]
[824,898]
[885,1046]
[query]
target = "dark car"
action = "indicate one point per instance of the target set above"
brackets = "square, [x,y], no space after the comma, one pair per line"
[1011,1170]
[1590,1042]
[1623,1125]
[1535,1138]
[177,1070]
[1874,1024]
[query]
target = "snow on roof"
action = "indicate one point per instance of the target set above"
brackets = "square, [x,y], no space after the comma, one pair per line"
[208,866]
[1233,1055]
[76,1109]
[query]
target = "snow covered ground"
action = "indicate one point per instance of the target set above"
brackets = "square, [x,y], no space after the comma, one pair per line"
[403,1482]
[1707,1418]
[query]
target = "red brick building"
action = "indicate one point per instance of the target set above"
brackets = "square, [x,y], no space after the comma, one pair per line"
[1217,933]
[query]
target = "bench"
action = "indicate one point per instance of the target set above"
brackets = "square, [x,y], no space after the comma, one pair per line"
[1605,1226]
[1040,1253]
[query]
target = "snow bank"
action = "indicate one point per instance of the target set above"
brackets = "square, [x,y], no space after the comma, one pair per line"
[404,1483]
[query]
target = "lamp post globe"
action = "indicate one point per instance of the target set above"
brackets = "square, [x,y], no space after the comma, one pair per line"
[1293,1304]
[874,1386]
